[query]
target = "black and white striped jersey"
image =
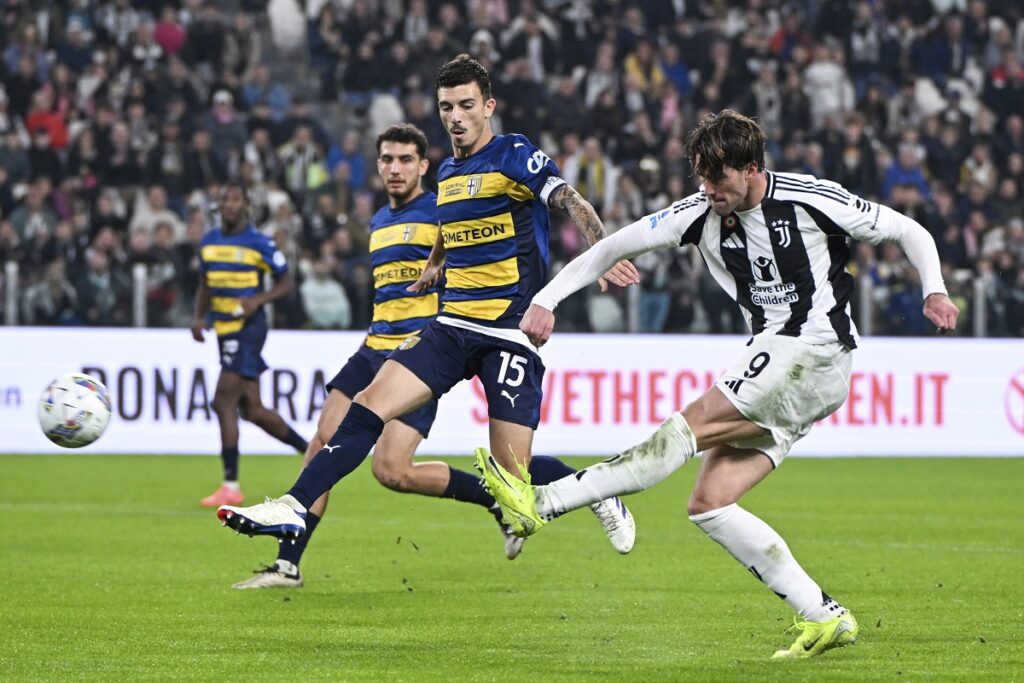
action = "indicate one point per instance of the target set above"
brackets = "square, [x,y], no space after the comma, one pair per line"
[784,261]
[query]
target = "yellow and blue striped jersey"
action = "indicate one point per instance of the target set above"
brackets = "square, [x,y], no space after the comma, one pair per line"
[400,242]
[233,267]
[492,207]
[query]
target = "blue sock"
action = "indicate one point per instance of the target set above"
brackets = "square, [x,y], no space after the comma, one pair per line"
[468,488]
[544,469]
[346,450]
[293,439]
[229,457]
[292,552]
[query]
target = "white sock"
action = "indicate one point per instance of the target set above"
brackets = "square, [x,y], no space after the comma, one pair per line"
[233,485]
[286,567]
[291,502]
[761,550]
[638,468]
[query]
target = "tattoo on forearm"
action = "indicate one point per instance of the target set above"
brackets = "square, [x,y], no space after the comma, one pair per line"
[580,211]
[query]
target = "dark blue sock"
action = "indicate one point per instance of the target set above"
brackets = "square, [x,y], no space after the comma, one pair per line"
[346,450]
[292,552]
[468,488]
[229,456]
[293,439]
[544,469]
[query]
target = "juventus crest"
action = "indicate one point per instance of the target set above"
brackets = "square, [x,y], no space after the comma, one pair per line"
[781,226]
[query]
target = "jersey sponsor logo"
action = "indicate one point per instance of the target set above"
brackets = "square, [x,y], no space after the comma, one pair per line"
[781,227]
[400,273]
[774,295]
[765,268]
[475,234]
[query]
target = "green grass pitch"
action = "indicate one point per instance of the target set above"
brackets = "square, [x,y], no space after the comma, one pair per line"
[112,572]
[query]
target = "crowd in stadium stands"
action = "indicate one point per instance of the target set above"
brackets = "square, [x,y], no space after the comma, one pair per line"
[119,120]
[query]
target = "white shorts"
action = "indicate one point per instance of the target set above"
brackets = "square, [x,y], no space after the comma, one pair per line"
[786,385]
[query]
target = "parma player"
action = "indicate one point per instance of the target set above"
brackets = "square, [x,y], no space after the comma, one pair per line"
[777,243]
[402,234]
[233,260]
[493,196]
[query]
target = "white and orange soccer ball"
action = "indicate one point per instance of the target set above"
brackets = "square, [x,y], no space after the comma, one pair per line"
[74,410]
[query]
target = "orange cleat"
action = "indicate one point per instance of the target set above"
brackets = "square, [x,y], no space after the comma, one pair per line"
[225,495]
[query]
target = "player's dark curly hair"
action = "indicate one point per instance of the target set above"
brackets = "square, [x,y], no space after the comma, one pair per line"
[727,138]
[462,70]
[406,134]
[236,185]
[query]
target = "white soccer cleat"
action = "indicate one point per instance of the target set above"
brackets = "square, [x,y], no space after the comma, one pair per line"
[271,577]
[618,523]
[273,517]
[513,543]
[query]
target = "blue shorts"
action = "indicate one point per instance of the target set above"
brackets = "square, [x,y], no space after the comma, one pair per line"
[512,374]
[241,354]
[357,374]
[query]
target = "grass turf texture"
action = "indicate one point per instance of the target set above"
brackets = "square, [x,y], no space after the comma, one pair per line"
[111,571]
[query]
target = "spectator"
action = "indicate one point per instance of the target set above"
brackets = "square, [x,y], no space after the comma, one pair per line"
[33,216]
[74,51]
[53,300]
[203,167]
[226,127]
[169,33]
[260,89]
[324,299]
[593,174]
[103,292]
[349,153]
[302,164]
[151,211]
[905,170]
[243,47]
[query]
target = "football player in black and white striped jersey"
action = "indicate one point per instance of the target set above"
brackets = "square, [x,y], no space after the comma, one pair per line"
[777,243]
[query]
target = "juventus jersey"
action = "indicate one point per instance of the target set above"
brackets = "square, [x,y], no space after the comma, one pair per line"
[783,261]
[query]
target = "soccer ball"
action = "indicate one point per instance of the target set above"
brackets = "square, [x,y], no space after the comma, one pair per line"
[74,410]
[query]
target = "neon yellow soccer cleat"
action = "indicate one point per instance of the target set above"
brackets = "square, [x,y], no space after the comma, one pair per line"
[816,637]
[515,496]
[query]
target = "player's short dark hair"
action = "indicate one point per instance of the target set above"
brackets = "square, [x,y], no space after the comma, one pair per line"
[462,70]
[727,138]
[406,134]
[234,184]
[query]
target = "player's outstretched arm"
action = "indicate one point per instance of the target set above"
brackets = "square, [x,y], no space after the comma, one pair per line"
[591,228]
[919,246]
[432,270]
[663,229]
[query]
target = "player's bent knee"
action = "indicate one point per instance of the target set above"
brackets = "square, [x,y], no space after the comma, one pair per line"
[392,476]
[701,502]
